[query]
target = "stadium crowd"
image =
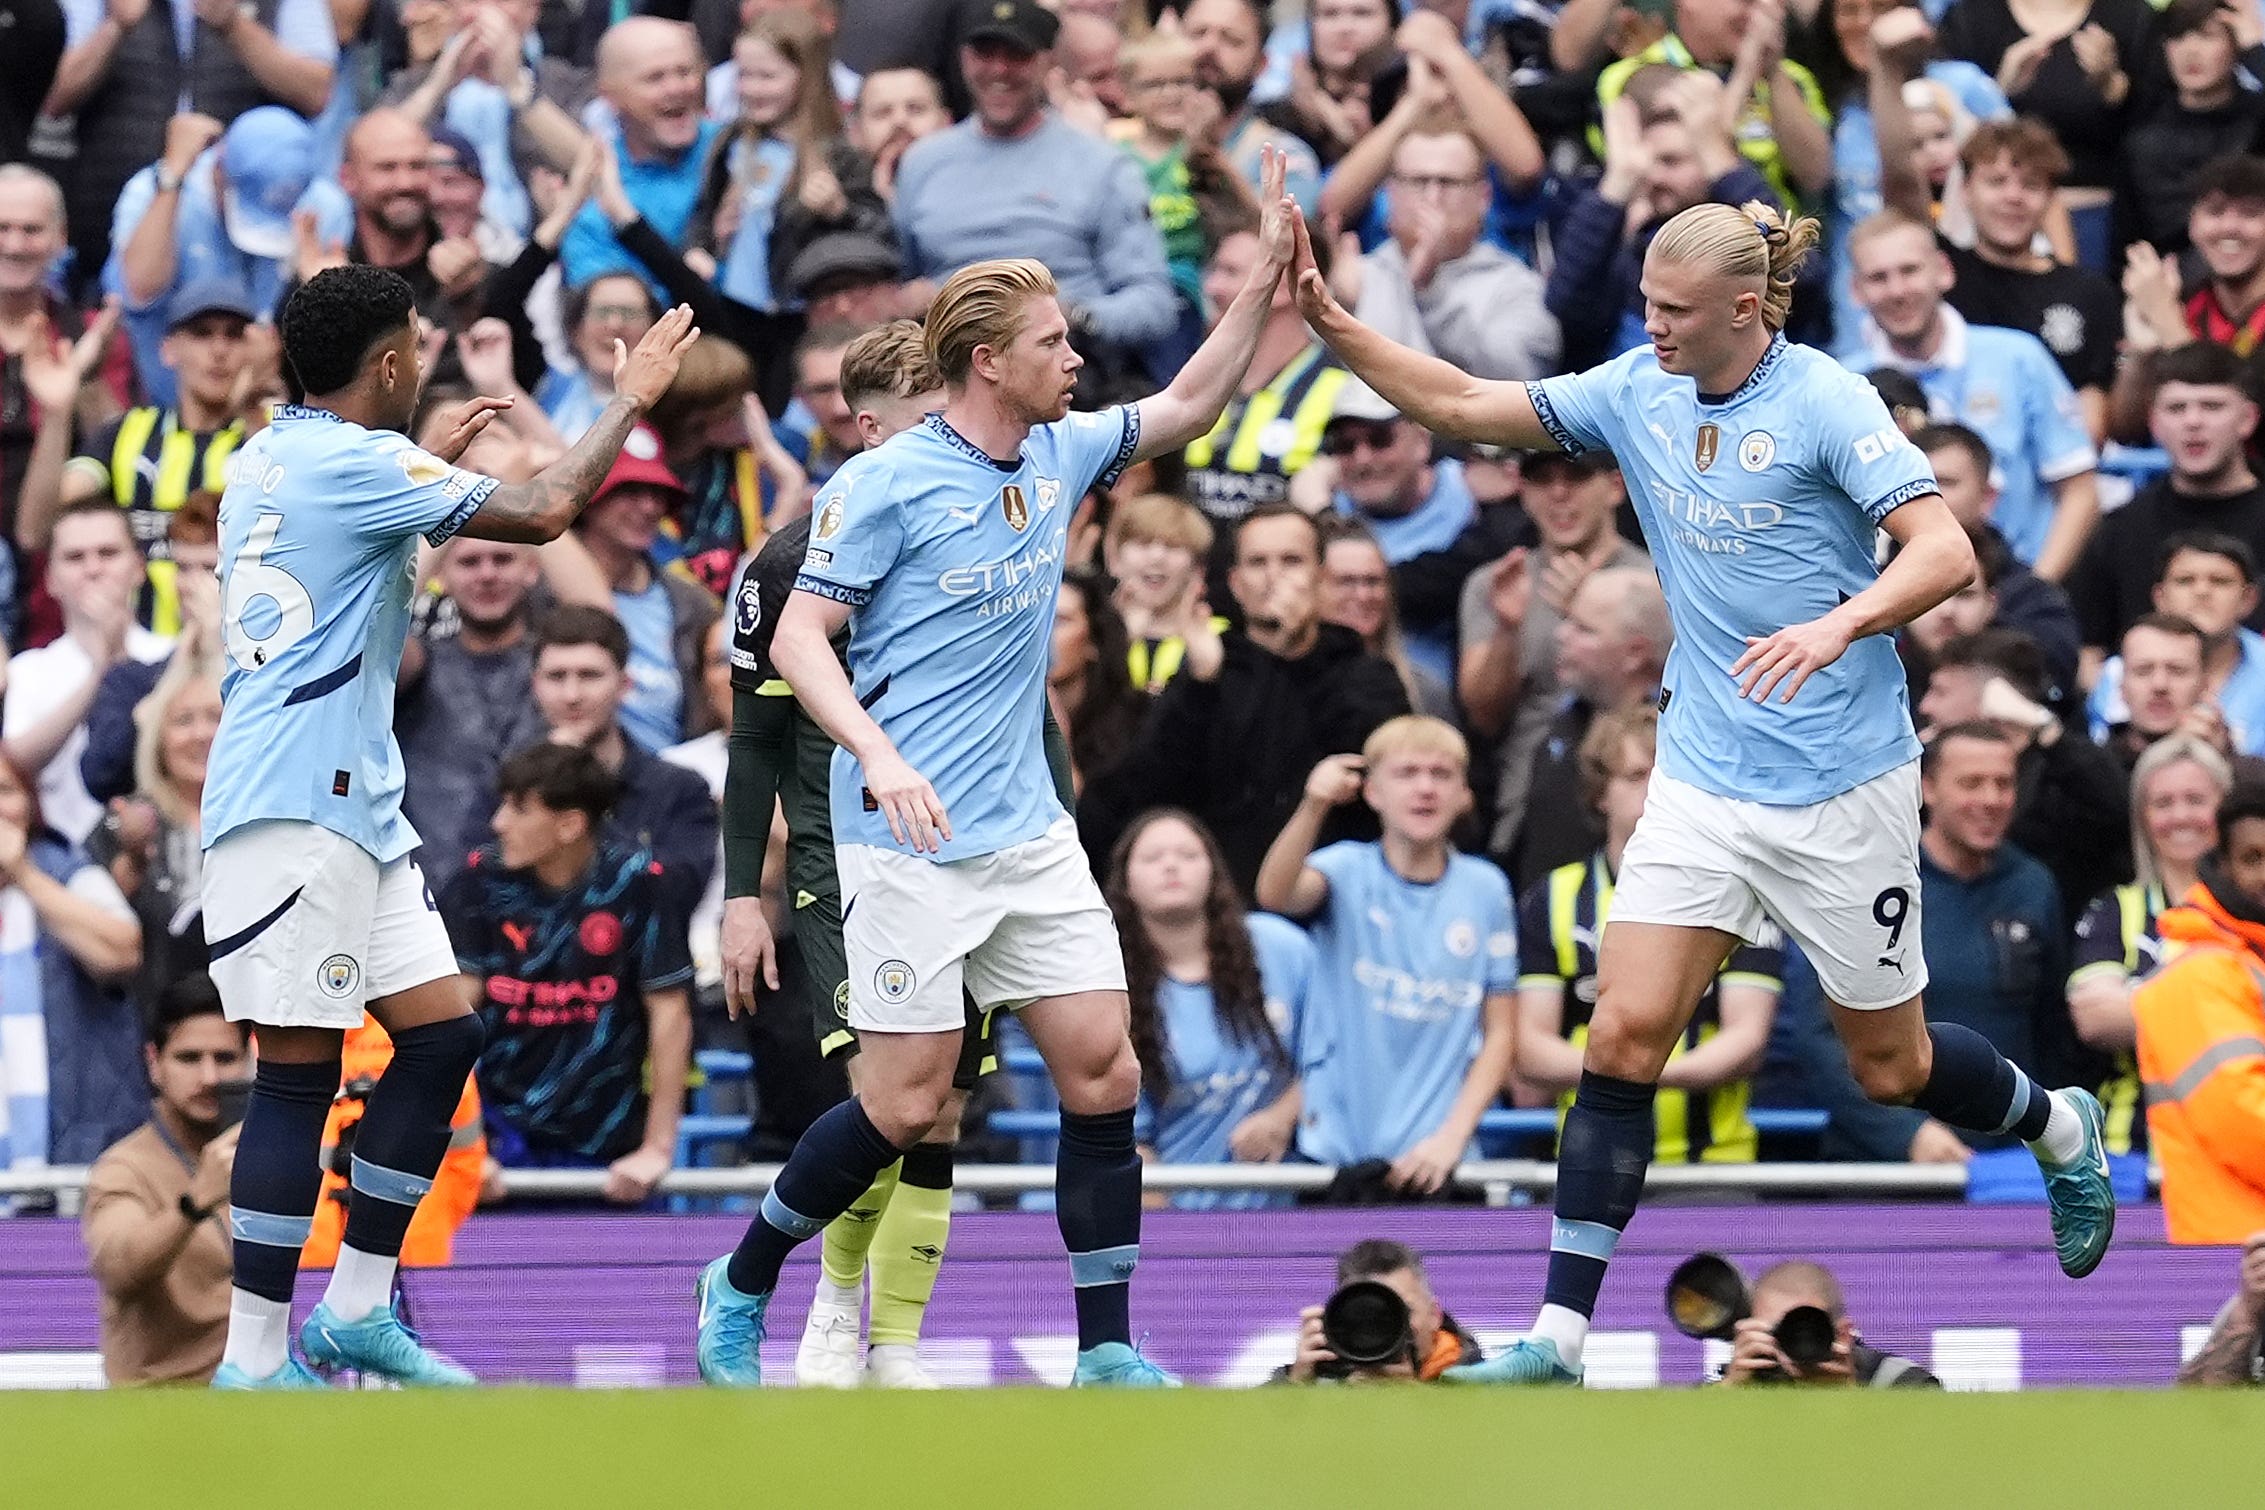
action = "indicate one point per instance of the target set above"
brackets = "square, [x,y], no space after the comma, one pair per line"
[1318,643]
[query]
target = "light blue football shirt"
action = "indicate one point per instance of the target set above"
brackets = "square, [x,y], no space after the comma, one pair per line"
[1217,1080]
[1759,508]
[950,562]
[1402,970]
[2241,700]
[318,551]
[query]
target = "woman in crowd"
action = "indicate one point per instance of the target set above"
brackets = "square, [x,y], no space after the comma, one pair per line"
[1098,706]
[69,942]
[2175,791]
[609,308]
[1217,995]
[1350,44]
[175,725]
[1356,591]
[785,174]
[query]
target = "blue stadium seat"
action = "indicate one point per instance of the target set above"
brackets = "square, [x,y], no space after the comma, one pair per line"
[722,1078]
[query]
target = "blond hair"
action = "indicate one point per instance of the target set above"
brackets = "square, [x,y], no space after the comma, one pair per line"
[1598,759]
[2175,749]
[151,779]
[1163,519]
[888,361]
[982,304]
[1752,243]
[1416,734]
[713,372]
[1156,47]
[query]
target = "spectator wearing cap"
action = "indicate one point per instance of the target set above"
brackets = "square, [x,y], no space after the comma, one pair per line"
[848,277]
[1666,148]
[217,204]
[460,198]
[664,613]
[2223,306]
[1436,285]
[1510,610]
[651,75]
[493,87]
[1016,176]
[150,460]
[1385,477]
[131,65]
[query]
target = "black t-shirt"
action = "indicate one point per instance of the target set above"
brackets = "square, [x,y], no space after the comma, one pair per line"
[567,974]
[2114,580]
[2077,313]
[2061,95]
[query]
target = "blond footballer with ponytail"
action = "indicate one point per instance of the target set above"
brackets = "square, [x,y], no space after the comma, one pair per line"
[1751,242]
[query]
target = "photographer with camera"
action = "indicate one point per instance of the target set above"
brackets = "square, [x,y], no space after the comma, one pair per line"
[1382,1322]
[2234,1352]
[157,1200]
[1798,1332]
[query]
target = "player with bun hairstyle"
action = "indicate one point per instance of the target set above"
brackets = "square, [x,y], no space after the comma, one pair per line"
[1787,787]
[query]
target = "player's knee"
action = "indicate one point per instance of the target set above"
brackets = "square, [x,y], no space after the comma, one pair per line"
[1627,1045]
[905,1114]
[1110,1083]
[1888,1073]
[450,1047]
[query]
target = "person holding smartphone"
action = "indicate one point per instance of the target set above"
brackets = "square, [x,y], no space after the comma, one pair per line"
[156,1215]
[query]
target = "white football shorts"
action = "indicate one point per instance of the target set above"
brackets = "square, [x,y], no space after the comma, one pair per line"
[1840,876]
[305,926]
[1014,926]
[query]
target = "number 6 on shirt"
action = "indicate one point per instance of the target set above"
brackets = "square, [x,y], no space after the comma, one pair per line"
[252,580]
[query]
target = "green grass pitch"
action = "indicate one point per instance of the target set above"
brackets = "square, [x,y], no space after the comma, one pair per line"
[1404,1446]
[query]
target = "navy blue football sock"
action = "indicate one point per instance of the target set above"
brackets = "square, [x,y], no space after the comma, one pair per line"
[831,1167]
[278,1173]
[1097,1206]
[404,1133]
[1975,1087]
[1601,1159]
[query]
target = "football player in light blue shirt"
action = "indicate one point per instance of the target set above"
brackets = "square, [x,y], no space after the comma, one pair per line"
[312,906]
[943,549]
[1786,789]
[1216,1025]
[1413,1013]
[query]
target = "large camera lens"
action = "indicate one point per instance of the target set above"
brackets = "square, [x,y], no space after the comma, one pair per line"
[1706,1297]
[1366,1324]
[1806,1335]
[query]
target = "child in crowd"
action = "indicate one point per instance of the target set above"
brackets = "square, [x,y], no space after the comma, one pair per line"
[1155,550]
[1410,1021]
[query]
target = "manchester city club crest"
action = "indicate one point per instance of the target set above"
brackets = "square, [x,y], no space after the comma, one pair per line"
[1757,451]
[338,976]
[1710,441]
[894,981]
[1015,506]
[1049,495]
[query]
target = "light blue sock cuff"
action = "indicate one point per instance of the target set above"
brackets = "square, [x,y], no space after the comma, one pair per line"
[788,1220]
[1104,1266]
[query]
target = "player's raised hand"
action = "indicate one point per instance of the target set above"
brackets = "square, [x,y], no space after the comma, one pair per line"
[1337,780]
[750,954]
[465,422]
[916,814]
[1789,657]
[1277,211]
[1315,301]
[643,375]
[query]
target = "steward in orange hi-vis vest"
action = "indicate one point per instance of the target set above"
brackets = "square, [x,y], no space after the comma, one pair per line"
[2201,1021]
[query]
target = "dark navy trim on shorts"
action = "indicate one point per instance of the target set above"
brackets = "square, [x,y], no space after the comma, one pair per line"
[222,948]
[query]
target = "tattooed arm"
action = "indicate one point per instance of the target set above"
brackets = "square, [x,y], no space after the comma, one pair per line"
[2226,1356]
[541,508]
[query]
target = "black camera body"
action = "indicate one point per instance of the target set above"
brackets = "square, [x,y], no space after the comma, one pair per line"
[1367,1325]
[1707,1297]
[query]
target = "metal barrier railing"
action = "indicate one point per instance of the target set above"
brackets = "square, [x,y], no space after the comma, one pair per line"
[1500,1180]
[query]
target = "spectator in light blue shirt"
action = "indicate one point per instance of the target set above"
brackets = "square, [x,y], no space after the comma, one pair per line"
[1407,1034]
[215,211]
[1217,999]
[649,72]
[2002,384]
[2210,581]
